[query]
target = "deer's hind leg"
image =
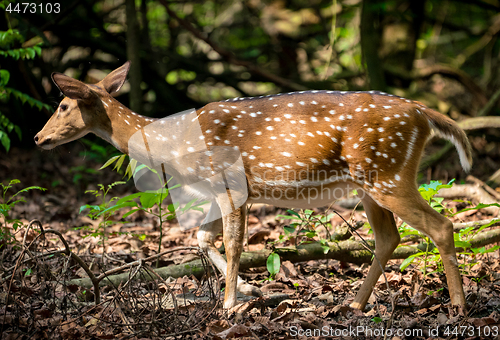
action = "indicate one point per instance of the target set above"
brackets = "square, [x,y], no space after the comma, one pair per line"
[414,210]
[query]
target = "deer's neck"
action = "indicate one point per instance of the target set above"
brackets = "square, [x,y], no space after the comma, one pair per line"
[121,124]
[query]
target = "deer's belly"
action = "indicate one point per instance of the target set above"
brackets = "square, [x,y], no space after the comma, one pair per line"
[300,195]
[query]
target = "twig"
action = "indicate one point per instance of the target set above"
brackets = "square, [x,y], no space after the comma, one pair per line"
[68,252]
[135,263]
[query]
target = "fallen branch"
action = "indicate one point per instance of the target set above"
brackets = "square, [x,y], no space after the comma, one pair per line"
[474,191]
[347,251]
[476,224]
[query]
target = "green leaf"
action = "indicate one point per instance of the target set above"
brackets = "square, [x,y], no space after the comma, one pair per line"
[5,140]
[286,217]
[293,213]
[31,53]
[17,129]
[129,197]
[149,199]
[14,181]
[429,190]
[409,260]
[130,168]
[91,207]
[479,206]
[4,77]
[139,168]
[188,205]
[308,213]
[116,207]
[171,208]
[462,244]
[311,233]
[273,264]
[486,225]
[27,189]
[483,250]
[408,232]
[109,162]
[130,212]
[119,163]
[38,49]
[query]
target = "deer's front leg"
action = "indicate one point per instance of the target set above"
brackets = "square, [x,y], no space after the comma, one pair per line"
[206,236]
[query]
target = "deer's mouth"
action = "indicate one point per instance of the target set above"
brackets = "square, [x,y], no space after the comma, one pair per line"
[45,143]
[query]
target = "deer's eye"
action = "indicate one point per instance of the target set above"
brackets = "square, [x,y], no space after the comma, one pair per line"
[63,107]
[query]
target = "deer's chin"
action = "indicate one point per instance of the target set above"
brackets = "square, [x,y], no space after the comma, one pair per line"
[48,146]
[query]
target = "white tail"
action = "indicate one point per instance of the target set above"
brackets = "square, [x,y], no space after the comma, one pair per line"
[300,149]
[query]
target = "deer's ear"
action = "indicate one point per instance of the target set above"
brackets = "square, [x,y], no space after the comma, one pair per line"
[114,81]
[71,88]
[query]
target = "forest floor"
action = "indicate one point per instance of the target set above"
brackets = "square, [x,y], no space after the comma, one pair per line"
[304,300]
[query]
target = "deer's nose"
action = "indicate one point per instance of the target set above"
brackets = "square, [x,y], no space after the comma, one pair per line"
[40,140]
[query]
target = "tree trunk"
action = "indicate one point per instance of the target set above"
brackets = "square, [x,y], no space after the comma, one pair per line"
[133,48]
[370,41]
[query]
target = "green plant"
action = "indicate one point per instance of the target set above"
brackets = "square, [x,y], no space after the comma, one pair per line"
[9,42]
[119,159]
[103,211]
[430,292]
[6,207]
[307,225]
[462,239]
[149,199]
[430,253]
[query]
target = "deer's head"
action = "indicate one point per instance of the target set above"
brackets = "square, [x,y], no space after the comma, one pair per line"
[82,110]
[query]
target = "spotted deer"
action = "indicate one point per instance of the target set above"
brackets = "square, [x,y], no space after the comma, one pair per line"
[298,149]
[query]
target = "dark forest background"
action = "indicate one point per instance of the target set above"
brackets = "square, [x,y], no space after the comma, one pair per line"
[187,53]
